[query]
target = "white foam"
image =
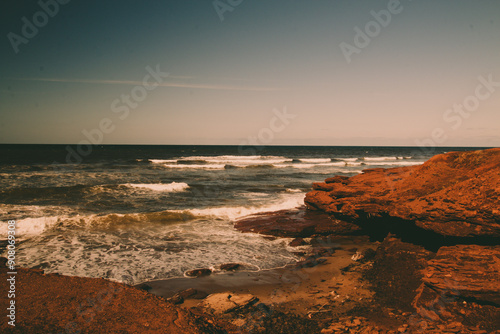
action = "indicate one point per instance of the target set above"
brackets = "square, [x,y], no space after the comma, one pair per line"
[255,195]
[232,213]
[347,159]
[316,160]
[291,190]
[239,161]
[218,166]
[340,171]
[29,227]
[330,164]
[220,162]
[235,158]
[21,212]
[396,163]
[204,244]
[162,161]
[170,187]
[380,158]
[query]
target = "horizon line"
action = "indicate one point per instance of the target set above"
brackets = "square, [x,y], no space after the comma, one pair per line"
[160,84]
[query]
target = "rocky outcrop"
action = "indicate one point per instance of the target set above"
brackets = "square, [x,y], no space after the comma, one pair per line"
[454,194]
[396,272]
[295,223]
[470,272]
[297,242]
[63,304]
[198,272]
[220,303]
[229,266]
[461,283]
[190,293]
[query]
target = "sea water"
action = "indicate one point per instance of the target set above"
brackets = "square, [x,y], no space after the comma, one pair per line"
[139,213]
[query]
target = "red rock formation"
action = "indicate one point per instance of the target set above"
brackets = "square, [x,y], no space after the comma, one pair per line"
[396,273]
[461,282]
[229,266]
[454,194]
[199,272]
[294,223]
[62,304]
[469,271]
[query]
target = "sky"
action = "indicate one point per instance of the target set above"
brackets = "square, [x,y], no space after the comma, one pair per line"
[231,72]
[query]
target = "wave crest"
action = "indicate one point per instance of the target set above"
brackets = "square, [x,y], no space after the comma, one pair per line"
[170,187]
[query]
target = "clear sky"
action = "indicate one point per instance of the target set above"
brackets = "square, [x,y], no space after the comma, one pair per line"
[233,64]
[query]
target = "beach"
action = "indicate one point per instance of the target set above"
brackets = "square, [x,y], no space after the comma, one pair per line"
[408,249]
[297,288]
[138,213]
[250,167]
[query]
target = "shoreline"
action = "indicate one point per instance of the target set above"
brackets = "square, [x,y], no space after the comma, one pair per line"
[334,295]
[345,282]
[333,285]
[292,280]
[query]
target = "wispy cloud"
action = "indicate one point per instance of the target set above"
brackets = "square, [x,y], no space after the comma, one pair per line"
[163,84]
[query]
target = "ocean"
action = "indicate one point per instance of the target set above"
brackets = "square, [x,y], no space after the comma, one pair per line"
[139,213]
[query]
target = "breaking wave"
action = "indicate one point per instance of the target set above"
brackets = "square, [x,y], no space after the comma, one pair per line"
[170,187]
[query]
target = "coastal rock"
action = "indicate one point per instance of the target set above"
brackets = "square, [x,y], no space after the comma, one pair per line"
[187,293]
[295,223]
[331,242]
[369,254]
[310,262]
[220,303]
[65,304]
[144,286]
[461,283]
[190,293]
[198,295]
[467,272]
[323,186]
[297,242]
[357,257]
[229,266]
[176,300]
[198,272]
[338,179]
[453,194]
[396,273]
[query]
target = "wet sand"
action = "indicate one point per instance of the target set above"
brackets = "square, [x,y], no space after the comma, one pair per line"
[296,289]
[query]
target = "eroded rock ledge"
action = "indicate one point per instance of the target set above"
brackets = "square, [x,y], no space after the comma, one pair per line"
[52,303]
[461,283]
[470,272]
[295,223]
[453,194]
[457,286]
